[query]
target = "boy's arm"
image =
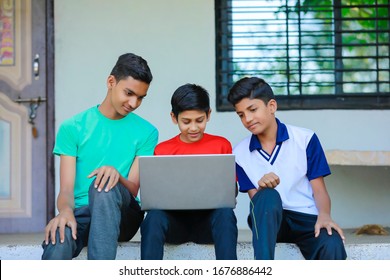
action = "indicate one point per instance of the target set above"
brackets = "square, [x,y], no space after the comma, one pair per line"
[269,180]
[323,204]
[252,193]
[65,202]
[111,176]
[133,178]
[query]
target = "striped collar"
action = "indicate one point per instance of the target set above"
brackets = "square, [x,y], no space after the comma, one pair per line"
[281,136]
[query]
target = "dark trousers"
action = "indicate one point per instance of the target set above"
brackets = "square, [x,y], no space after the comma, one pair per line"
[271,224]
[110,217]
[217,226]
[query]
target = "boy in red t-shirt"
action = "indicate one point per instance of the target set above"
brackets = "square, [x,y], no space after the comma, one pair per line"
[191,112]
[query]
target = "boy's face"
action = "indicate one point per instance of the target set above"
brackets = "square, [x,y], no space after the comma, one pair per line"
[192,124]
[255,115]
[125,96]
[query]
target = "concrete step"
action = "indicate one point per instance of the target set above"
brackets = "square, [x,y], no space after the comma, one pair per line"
[27,247]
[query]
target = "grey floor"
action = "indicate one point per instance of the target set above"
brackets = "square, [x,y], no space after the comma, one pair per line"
[244,236]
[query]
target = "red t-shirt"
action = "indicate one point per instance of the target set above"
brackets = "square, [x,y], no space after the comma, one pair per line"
[209,144]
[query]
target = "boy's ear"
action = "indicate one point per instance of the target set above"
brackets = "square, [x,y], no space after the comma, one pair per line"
[111,81]
[173,117]
[208,115]
[272,105]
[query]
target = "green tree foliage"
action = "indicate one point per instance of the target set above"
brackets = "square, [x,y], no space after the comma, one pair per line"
[314,45]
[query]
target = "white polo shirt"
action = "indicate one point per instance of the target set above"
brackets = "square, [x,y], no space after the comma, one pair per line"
[297,158]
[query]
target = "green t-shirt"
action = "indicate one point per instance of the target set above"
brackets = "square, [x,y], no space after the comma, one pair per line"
[96,141]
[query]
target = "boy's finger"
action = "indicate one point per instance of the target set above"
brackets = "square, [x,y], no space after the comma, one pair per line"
[262,184]
[62,233]
[53,235]
[93,173]
[101,184]
[110,183]
[73,227]
[316,231]
[340,232]
[98,179]
[329,229]
[113,180]
[47,233]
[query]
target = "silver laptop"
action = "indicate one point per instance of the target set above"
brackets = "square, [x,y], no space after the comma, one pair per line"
[184,182]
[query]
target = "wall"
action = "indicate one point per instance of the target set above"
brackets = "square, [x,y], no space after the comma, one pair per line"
[177,38]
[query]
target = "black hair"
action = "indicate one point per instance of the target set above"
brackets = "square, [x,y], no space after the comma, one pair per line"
[129,64]
[252,88]
[190,97]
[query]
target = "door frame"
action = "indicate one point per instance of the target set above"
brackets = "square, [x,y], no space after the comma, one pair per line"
[50,111]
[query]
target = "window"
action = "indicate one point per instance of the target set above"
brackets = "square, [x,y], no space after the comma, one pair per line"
[316,54]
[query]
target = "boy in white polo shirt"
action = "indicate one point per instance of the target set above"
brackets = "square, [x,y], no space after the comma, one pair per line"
[282,168]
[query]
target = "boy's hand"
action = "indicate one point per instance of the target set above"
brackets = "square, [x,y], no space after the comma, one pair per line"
[64,218]
[269,180]
[105,174]
[327,223]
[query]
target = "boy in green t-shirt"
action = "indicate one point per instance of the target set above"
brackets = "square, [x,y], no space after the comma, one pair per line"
[99,179]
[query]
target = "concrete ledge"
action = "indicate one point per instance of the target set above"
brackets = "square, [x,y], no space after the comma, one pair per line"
[131,251]
[190,251]
[359,247]
[358,158]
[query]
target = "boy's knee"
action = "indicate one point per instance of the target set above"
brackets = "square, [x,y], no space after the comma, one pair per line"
[103,196]
[332,246]
[224,215]
[154,219]
[156,215]
[60,250]
[67,236]
[332,242]
[269,194]
[268,198]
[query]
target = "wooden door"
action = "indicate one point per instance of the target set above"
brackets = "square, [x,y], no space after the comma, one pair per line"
[26,115]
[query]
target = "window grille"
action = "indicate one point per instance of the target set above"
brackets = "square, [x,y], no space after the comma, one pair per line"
[316,54]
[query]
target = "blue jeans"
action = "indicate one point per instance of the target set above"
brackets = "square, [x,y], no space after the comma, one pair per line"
[271,224]
[217,226]
[110,217]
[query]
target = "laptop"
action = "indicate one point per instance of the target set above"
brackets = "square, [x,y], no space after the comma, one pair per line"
[187,182]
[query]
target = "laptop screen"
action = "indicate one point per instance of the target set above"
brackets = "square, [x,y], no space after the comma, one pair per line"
[184,182]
